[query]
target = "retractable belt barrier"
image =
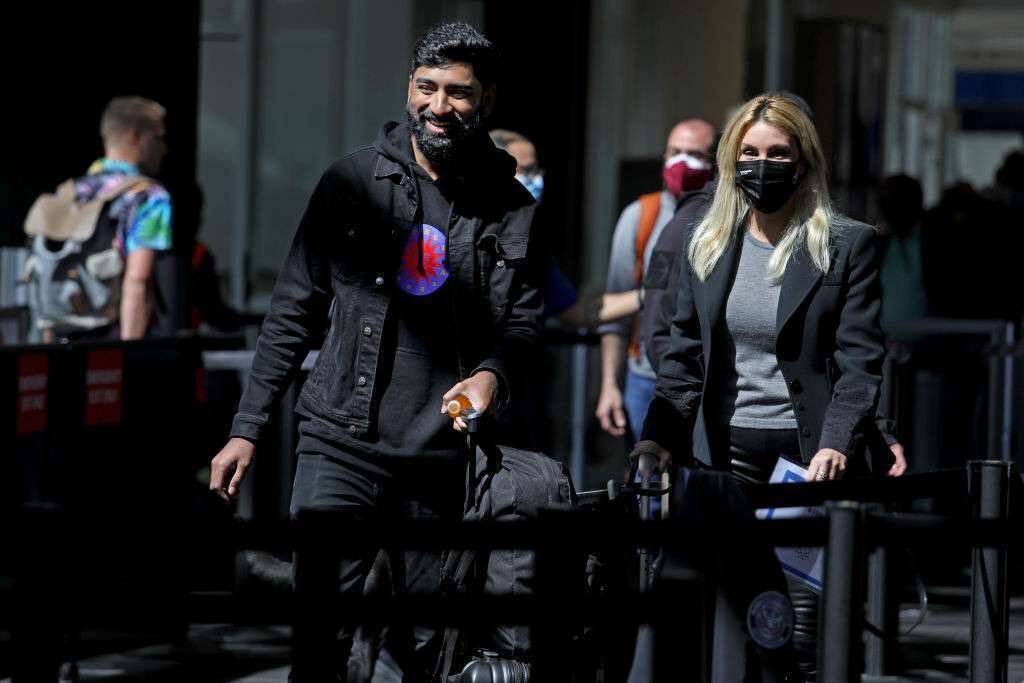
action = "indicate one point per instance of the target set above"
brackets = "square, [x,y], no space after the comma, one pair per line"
[87,390]
[849,531]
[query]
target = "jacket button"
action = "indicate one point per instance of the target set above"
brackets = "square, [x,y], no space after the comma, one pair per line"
[795,385]
[379,281]
[806,432]
[352,429]
[351,234]
[501,263]
[361,381]
[367,331]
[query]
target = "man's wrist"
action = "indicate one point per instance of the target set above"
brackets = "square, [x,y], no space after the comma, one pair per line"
[487,375]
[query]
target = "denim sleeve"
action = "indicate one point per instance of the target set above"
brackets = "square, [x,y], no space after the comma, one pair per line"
[517,342]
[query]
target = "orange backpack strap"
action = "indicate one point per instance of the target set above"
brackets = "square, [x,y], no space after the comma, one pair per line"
[650,207]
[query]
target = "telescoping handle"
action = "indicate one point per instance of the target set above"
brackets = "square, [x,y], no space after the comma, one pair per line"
[461,407]
[646,465]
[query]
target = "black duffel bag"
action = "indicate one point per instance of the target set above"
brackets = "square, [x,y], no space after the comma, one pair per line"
[503,484]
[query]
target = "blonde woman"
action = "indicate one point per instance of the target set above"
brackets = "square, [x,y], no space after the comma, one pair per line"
[776,349]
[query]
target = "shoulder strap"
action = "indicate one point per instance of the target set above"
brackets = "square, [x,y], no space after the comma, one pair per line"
[126,183]
[60,217]
[650,207]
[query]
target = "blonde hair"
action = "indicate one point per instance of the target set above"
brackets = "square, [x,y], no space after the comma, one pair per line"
[125,114]
[813,215]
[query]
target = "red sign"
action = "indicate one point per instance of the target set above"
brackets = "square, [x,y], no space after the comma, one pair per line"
[33,377]
[104,381]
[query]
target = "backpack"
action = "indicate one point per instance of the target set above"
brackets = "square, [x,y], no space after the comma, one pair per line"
[73,272]
[650,208]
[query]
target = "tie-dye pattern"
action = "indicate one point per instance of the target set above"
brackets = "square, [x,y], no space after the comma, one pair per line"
[143,213]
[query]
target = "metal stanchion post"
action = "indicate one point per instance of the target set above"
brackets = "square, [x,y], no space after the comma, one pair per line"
[880,613]
[679,638]
[557,570]
[839,644]
[989,486]
[577,447]
[39,601]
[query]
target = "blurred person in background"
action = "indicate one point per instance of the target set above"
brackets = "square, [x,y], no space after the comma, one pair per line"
[113,291]
[957,237]
[901,204]
[686,168]
[661,279]
[561,300]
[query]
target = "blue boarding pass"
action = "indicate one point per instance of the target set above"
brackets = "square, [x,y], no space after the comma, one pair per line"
[806,564]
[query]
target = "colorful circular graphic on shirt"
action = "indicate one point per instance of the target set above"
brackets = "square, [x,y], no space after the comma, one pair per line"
[422,270]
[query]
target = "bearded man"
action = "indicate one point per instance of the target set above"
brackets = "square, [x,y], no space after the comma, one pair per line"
[416,251]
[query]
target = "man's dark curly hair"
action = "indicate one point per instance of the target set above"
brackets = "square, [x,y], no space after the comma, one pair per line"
[457,42]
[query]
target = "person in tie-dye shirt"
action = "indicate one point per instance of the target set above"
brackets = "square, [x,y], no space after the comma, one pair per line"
[132,129]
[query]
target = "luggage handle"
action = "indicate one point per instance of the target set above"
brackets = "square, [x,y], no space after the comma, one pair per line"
[630,487]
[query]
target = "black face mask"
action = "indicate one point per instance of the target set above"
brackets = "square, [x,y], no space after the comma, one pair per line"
[767,184]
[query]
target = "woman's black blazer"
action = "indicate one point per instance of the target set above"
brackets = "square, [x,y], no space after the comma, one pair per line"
[828,343]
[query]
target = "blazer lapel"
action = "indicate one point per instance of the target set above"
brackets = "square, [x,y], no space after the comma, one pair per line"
[719,282]
[797,283]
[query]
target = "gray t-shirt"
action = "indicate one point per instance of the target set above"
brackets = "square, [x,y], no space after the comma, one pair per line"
[754,392]
[621,267]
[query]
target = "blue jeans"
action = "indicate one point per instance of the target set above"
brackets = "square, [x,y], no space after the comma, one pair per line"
[636,395]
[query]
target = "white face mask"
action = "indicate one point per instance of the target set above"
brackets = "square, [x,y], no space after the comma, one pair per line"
[694,162]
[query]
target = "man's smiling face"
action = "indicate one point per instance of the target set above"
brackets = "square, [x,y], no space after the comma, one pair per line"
[446,104]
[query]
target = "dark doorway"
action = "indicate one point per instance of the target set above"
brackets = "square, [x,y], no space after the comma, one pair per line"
[543,96]
[63,63]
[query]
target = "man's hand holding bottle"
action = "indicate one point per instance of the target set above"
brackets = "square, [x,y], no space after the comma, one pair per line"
[475,393]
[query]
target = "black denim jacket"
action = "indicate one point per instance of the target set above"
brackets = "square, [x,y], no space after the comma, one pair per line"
[341,267]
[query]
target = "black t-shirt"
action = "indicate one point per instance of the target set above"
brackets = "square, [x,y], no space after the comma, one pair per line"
[420,340]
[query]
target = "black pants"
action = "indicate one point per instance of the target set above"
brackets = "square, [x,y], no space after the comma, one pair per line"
[326,478]
[753,454]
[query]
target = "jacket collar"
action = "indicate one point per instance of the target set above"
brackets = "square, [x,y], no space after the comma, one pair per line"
[386,167]
[719,282]
[798,282]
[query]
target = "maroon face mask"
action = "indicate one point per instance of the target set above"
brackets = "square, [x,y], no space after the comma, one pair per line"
[685,173]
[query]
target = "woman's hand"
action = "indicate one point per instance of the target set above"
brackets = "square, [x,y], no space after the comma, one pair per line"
[828,463]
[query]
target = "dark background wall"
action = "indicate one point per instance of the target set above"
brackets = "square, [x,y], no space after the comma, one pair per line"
[62,63]
[544,96]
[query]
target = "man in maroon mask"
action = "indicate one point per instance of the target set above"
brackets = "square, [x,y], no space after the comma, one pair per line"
[687,167]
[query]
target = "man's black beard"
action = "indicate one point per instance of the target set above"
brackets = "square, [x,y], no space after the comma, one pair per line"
[444,151]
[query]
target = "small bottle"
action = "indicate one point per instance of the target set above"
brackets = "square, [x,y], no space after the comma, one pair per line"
[459,407]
